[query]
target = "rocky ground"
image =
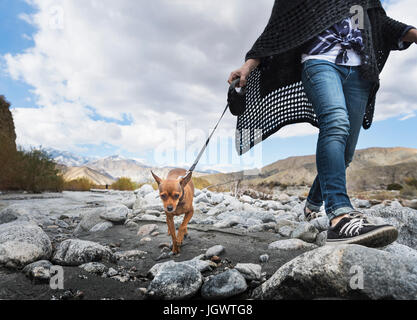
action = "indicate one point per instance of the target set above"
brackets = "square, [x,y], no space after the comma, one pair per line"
[114,245]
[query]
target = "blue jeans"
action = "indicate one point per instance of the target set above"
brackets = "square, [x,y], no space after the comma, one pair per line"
[339,97]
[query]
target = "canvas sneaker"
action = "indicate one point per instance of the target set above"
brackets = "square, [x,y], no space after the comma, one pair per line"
[355,229]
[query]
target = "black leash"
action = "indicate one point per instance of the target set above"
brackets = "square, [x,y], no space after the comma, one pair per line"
[232,91]
[207,142]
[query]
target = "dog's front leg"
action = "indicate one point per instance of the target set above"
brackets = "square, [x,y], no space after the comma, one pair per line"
[171,230]
[183,228]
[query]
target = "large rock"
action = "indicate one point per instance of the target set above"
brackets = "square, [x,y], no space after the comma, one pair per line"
[115,213]
[22,243]
[74,252]
[404,219]
[343,271]
[401,250]
[224,285]
[177,282]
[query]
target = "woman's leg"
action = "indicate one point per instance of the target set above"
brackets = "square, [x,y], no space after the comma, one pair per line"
[356,91]
[323,83]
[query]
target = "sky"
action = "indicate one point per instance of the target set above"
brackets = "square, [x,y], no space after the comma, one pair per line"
[148,80]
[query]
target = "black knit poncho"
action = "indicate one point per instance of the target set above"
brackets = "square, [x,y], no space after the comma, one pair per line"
[275,95]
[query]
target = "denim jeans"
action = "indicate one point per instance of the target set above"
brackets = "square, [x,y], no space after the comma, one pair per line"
[339,97]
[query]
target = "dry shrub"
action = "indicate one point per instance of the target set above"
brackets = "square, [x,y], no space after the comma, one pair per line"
[124,184]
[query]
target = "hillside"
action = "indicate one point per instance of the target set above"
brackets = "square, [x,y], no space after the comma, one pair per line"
[372,168]
[73,173]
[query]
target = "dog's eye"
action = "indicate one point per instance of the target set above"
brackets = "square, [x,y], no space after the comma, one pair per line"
[163,196]
[176,196]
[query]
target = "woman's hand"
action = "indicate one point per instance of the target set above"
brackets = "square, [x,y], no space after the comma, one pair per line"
[411,36]
[243,72]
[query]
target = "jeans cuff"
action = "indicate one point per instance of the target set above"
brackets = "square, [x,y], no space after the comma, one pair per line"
[339,212]
[312,206]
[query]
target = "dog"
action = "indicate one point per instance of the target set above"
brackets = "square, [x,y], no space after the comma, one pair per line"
[177,194]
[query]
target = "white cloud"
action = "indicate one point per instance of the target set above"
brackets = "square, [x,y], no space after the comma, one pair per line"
[160,62]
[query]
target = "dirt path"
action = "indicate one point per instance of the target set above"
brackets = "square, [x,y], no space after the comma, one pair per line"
[239,247]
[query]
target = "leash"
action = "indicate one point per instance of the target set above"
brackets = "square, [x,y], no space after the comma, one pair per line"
[232,87]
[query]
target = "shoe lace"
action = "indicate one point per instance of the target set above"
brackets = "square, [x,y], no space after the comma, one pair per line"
[354,226]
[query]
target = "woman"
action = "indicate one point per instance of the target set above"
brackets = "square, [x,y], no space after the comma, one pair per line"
[296,72]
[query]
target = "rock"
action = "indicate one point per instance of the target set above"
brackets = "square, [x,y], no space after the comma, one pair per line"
[94,267]
[129,255]
[147,229]
[224,285]
[39,270]
[216,198]
[214,251]
[74,252]
[102,226]
[112,272]
[250,271]
[264,258]
[8,215]
[144,190]
[89,220]
[228,222]
[153,212]
[178,282]
[291,244]
[283,198]
[306,232]
[343,271]
[132,225]
[129,203]
[404,219]
[286,231]
[22,243]
[406,203]
[201,198]
[115,213]
[321,238]
[321,223]
[246,199]
[147,217]
[216,210]
[401,250]
[362,203]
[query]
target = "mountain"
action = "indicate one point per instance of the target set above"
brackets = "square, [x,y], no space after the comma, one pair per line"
[67,158]
[73,173]
[118,167]
[372,168]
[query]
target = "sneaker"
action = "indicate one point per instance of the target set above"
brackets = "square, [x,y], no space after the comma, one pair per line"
[310,215]
[355,229]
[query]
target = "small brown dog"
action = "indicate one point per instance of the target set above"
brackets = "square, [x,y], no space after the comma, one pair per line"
[177,193]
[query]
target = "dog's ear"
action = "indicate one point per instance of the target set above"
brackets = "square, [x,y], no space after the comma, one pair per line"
[186,179]
[157,179]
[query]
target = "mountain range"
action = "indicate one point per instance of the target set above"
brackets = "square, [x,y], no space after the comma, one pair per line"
[372,168]
[106,170]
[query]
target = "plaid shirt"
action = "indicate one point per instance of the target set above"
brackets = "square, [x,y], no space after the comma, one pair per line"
[341,33]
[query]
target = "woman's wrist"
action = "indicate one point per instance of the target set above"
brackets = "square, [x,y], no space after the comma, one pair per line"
[252,64]
[410,36]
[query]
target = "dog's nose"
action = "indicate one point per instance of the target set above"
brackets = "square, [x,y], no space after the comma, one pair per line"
[170,208]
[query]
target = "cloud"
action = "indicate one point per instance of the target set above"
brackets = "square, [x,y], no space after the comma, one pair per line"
[159,63]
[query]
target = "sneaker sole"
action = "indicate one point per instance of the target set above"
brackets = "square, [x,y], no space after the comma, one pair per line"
[375,239]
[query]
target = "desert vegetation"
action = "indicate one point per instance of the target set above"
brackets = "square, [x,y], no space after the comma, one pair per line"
[31,171]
